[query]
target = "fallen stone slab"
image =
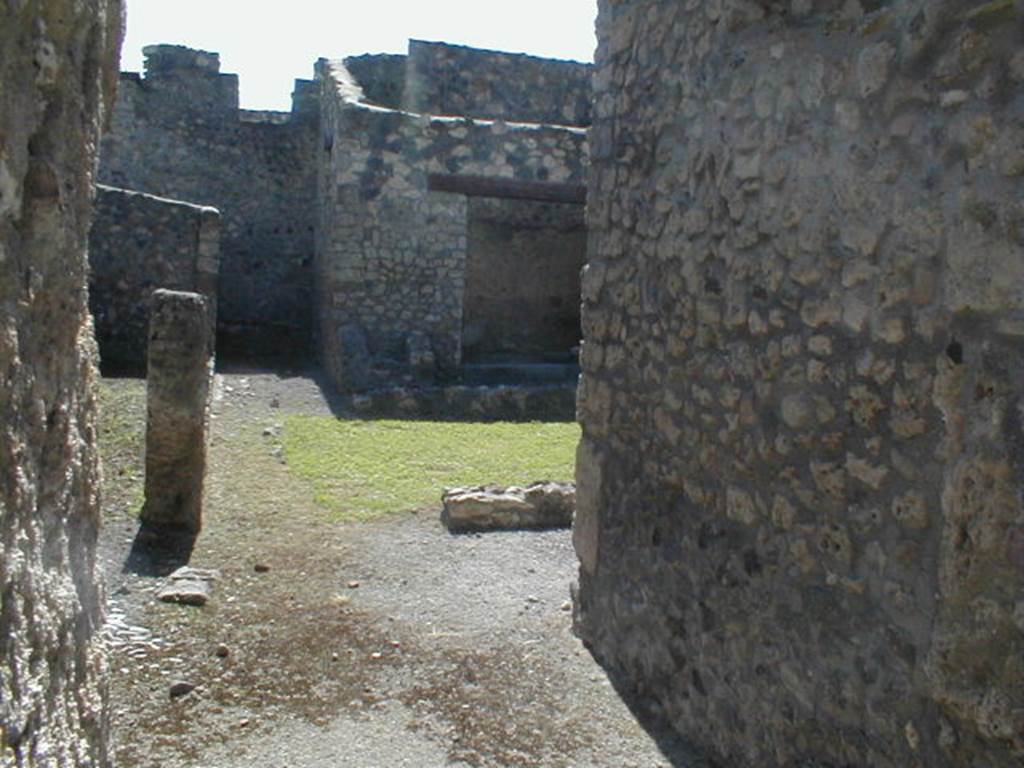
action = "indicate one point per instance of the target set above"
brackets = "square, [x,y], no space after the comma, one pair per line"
[486,508]
[189,586]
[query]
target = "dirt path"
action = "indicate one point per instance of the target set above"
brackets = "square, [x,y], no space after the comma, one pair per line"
[388,643]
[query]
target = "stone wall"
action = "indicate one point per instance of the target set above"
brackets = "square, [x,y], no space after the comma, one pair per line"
[446,79]
[391,254]
[348,189]
[178,133]
[58,65]
[139,243]
[381,77]
[459,402]
[800,516]
[522,296]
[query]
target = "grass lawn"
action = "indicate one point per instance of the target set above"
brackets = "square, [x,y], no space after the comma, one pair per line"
[361,469]
[122,444]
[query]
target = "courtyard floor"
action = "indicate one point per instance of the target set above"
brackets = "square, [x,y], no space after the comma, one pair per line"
[343,642]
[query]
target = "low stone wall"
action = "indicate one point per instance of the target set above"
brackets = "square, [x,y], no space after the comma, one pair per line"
[139,243]
[466,403]
[799,509]
[58,70]
[391,254]
[444,79]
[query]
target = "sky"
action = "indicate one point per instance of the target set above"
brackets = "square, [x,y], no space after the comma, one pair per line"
[270,44]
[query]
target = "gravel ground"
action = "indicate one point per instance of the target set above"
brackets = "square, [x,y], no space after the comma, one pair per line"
[386,643]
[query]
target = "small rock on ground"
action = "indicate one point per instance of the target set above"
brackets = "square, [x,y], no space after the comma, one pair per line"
[181,688]
[188,586]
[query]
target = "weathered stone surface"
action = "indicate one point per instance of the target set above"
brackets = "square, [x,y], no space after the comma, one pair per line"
[330,218]
[353,352]
[392,256]
[483,403]
[58,64]
[422,359]
[189,586]
[800,480]
[443,79]
[381,77]
[138,243]
[178,377]
[541,505]
[177,132]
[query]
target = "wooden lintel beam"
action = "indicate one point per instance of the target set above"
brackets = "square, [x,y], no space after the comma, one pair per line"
[514,189]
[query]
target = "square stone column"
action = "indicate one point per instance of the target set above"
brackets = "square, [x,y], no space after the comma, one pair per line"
[178,392]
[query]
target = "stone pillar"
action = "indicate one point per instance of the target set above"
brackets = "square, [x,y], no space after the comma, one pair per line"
[178,390]
[208,264]
[58,68]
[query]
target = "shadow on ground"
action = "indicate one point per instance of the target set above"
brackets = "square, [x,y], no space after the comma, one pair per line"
[376,644]
[157,551]
[679,752]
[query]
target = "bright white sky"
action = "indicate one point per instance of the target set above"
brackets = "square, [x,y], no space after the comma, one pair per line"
[270,44]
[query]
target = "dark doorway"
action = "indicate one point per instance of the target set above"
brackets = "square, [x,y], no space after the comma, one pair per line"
[522,296]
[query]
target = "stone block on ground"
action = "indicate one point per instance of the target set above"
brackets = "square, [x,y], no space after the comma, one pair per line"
[488,508]
[189,586]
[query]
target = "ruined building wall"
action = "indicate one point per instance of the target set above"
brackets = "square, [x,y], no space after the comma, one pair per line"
[446,79]
[800,514]
[381,77]
[391,255]
[178,133]
[58,67]
[137,244]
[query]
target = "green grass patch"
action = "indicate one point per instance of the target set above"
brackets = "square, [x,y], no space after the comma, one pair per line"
[362,469]
[122,443]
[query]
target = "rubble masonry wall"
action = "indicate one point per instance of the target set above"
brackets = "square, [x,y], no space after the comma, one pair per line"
[58,67]
[137,244]
[444,79]
[800,513]
[391,255]
[178,133]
